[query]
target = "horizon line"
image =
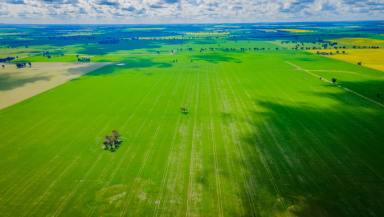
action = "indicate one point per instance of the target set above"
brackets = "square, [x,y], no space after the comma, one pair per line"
[201,23]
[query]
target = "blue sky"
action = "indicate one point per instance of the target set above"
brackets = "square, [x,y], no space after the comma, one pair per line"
[187,11]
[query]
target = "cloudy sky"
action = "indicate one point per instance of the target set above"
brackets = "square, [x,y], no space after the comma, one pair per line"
[186,11]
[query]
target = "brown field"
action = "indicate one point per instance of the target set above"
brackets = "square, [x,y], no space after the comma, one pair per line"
[17,85]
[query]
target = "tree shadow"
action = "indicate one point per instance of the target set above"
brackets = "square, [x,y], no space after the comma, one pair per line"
[102,49]
[311,161]
[9,82]
[80,70]
[372,89]
[369,88]
[137,63]
[215,58]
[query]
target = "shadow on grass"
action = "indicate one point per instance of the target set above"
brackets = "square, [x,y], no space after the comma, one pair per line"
[215,58]
[369,88]
[80,70]
[310,161]
[129,64]
[372,89]
[8,82]
[102,49]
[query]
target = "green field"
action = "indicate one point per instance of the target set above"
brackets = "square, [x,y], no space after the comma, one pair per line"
[262,138]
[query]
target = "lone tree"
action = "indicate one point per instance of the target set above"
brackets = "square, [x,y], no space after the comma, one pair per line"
[184,110]
[334,80]
[115,137]
[3,66]
[378,95]
[359,63]
[112,142]
[107,142]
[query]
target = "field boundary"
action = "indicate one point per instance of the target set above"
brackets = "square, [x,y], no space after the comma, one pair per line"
[310,72]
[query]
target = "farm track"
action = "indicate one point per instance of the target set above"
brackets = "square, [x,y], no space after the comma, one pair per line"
[137,186]
[193,192]
[311,72]
[166,185]
[213,133]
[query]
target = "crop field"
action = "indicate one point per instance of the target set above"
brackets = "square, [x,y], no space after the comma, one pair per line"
[360,41]
[370,58]
[267,132]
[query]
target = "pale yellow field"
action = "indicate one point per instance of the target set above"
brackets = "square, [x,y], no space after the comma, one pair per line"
[371,58]
[360,41]
[17,85]
[296,30]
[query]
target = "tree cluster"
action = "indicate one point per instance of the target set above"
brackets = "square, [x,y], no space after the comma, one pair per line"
[319,45]
[83,59]
[330,53]
[23,65]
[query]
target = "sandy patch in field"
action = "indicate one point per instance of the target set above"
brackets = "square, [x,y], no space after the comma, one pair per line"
[17,85]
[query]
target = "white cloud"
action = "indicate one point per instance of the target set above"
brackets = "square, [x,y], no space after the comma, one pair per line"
[175,11]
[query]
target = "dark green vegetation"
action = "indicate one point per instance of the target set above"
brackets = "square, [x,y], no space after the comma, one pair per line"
[261,138]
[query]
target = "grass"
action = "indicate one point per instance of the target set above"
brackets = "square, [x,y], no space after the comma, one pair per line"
[21,52]
[261,139]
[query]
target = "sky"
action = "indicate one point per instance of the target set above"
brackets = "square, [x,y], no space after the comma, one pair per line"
[186,11]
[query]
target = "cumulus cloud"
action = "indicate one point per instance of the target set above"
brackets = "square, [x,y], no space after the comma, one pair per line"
[170,11]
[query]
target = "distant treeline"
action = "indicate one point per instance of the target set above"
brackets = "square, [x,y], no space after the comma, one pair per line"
[229,49]
[7,59]
[319,45]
